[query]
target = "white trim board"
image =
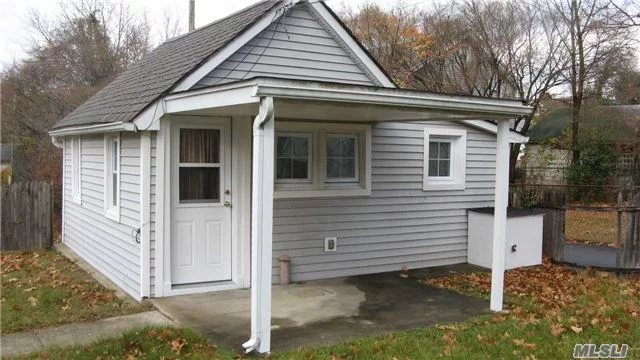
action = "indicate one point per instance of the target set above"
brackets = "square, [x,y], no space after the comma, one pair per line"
[240,224]
[514,136]
[93,129]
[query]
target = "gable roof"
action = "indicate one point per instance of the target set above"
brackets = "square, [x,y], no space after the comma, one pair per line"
[158,72]
[614,124]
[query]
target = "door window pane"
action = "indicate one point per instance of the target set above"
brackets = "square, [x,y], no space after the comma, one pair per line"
[199,184]
[341,157]
[200,146]
[292,157]
[440,158]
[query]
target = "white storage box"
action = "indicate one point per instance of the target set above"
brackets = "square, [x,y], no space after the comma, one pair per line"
[524,237]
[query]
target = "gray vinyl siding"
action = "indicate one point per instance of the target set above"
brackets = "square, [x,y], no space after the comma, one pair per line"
[400,224]
[294,47]
[152,225]
[107,245]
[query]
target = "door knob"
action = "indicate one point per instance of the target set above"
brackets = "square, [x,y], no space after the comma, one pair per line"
[227,204]
[227,192]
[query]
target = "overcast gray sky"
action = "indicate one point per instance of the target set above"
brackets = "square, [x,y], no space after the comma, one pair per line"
[16,37]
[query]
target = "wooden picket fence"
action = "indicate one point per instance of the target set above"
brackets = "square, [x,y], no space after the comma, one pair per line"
[26,216]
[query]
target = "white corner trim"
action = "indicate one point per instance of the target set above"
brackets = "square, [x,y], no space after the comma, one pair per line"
[162,206]
[351,42]
[145,214]
[93,129]
[76,169]
[229,49]
[514,137]
[458,162]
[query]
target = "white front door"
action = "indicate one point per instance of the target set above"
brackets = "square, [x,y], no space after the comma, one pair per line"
[200,196]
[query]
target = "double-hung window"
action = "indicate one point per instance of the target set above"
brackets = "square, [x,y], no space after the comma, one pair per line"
[444,159]
[342,158]
[293,157]
[322,160]
[440,158]
[112,176]
[76,157]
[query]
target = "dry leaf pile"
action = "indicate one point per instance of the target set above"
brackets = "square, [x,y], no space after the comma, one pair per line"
[571,299]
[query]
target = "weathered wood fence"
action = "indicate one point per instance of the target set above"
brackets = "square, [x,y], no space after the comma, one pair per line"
[628,250]
[623,226]
[26,216]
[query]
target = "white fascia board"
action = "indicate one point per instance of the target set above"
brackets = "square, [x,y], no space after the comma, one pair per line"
[351,42]
[224,53]
[281,88]
[218,96]
[514,136]
[93,129]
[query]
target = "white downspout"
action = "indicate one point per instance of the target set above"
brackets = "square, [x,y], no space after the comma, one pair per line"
[261,228]
[500,215]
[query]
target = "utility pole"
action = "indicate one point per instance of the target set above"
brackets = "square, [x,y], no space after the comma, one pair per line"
[192,15]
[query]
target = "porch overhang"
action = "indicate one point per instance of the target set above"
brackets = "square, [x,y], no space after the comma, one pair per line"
[323,101]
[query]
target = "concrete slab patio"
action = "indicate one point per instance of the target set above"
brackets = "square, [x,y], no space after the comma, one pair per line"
[324,312]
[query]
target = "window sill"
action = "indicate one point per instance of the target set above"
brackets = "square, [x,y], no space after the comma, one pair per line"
[293,194]
[113,214]
[442,186]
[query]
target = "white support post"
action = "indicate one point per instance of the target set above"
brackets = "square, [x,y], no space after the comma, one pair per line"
[262,228]
[500,215]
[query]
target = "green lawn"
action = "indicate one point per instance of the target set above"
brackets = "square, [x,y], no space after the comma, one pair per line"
[551,308]
[44,288]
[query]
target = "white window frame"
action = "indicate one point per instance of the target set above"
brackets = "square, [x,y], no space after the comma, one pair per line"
[76,169]
[112,211]
[320,186]
[458,163]
[356,160]
[310,157]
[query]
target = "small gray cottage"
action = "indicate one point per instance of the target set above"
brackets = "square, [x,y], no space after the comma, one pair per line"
[270,133]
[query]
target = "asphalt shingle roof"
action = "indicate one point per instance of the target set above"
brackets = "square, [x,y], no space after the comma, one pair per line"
[158,72]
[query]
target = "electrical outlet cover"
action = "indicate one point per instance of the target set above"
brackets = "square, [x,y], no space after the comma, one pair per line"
[330,244]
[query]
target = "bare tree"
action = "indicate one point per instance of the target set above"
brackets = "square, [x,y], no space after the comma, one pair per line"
[74,56]
[391,36]
[171,26]
[597,31]
[524,49]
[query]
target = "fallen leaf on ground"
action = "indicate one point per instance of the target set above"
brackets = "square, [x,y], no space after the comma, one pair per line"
[176,345]
[576,329]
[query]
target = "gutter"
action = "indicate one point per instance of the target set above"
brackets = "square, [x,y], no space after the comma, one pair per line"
[90,129]
[261,228]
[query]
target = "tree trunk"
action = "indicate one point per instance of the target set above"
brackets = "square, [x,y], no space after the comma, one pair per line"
[576,106]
